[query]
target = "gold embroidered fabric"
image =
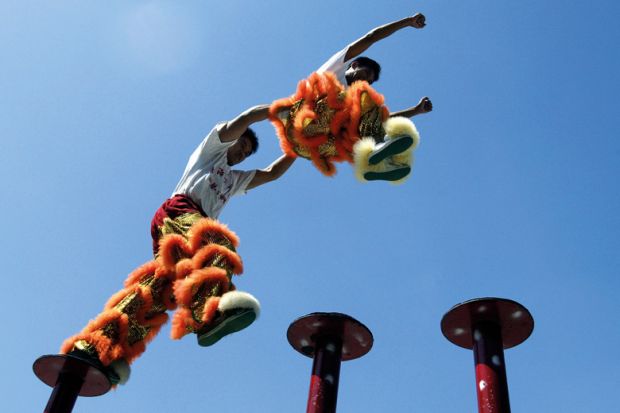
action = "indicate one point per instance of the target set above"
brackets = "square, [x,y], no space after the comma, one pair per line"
[135,314]
[371,124]
[317,127]
[179,225]
[323,121]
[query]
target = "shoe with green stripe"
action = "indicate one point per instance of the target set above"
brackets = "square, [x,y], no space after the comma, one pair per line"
[236,311]
[389,175]
[392,146]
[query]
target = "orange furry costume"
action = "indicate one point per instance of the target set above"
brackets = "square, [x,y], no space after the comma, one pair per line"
[322,121]
[192,274]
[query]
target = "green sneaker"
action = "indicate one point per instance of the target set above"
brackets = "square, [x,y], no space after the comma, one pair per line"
[236,311]
[389,175]
[225,324]
[390,147]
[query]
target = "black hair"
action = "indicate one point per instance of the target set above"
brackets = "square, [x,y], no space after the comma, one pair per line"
[251,136]
[370,64]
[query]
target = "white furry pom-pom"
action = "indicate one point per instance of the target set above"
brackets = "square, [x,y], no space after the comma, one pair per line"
[238,299]
[398,126]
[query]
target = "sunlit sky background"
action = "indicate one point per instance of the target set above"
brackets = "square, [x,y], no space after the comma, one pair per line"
[514,194]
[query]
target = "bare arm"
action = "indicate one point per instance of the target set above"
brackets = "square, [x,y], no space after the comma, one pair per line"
[272,172]
[360,45]
[233,129]
[424,106]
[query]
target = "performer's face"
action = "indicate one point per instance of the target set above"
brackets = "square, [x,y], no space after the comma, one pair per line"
[359,72]
[240,150]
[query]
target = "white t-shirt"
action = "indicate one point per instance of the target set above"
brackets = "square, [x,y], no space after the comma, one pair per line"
[208,179]
[337,65]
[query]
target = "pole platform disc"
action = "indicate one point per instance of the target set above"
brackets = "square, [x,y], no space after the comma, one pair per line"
[515,321]
[304,332]
[48,368]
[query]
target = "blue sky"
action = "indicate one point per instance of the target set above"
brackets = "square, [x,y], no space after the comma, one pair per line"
[514,194]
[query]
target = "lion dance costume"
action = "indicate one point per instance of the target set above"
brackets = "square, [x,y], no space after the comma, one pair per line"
[192,275]
[326,123]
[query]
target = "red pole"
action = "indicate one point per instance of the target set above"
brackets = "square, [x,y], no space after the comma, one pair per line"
[65,393]
[329,339]
[488,326]
[323,393]
[491,382]
[70,376]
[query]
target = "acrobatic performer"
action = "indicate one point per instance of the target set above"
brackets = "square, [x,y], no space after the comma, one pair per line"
[195,258]
[311,122]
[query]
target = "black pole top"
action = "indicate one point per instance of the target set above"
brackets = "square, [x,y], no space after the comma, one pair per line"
[515,321]
[49,368]
[304,333]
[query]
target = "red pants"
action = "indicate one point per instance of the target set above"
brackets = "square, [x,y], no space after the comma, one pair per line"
[172,208]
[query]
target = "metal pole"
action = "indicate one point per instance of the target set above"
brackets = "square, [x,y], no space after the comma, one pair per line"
[323,394]
[329,339]
[491,382]
[65,393]
[70,376]
[488,326]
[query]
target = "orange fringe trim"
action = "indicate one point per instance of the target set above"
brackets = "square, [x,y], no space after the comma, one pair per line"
[173,248]
[202,257]
[184,290]
[200,232]
[182,264]
[344,124]
[354,103]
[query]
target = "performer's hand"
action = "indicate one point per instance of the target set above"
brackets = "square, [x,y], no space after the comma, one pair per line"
[425,105]
[417,20]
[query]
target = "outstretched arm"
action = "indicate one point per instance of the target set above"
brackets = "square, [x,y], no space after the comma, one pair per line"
[358,47]
[272,172]
[424,106]
[233,129]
